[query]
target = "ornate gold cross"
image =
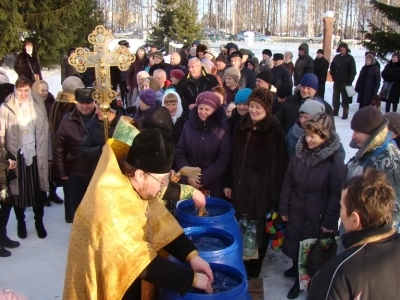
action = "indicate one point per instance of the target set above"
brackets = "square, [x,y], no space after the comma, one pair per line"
[102,58]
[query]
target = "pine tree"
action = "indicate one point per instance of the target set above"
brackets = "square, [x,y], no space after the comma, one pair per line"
[383,39]
[177,22]
[54,26]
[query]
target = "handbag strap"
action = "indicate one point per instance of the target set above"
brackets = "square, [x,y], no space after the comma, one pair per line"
[30,65]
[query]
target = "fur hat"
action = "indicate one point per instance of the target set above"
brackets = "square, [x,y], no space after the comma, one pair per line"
[71,83]
[284,90]
[208,98]
[343,45]
[3,77]
[262,96]
[159,118]
[312,107]
[201,48]
[177,73]
[158,54]
[278,56]
[310,80]
[221,57]
[268,52]
[148,97]
[242,96]
[84,95]
[266,76]
[233,73]
[321,124]
[367,119]
[152,151]
[394,122]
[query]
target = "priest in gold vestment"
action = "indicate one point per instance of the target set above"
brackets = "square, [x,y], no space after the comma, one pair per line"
[121,228]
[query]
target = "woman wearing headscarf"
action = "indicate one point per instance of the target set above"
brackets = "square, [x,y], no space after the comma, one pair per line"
[172,101]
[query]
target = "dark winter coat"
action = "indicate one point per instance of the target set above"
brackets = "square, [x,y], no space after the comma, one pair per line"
[68,70]
[311,192]
[304,65]
[258,167]
[230,94]
[26,65]
[391,73]
[178,127]
[163,65]
[137,66]
[206,145]
[288,113]
[343,69]
[5,90]
[48,103]
[290,67]
[64,104]
[247,79]
[233,120]
[280,75]
[93,141]
[66,156]
[366,271]
[141,114]
[368,83]
[321,66]
[189,88]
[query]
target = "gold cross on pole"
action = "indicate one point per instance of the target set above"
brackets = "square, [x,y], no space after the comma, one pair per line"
[101,59]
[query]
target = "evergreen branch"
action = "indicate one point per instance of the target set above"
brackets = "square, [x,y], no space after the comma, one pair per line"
[392,13]
[58,10]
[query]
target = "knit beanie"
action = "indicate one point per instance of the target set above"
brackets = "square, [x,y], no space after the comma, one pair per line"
[312,107]
[262,96]
[268,52]
[242,96]
[266,76]
[284,90]
[233,73]
[310,80]
[71,83]
[394,122]
[148,97]
[4,78]
[221,57]
[177,73]
[208,98]
[367,119]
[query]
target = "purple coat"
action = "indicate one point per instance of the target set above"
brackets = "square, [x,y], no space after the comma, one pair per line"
[206,145]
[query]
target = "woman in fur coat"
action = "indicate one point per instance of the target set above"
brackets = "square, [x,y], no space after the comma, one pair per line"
[310,198]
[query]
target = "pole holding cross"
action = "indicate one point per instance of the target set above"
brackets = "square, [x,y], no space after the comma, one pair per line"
[101,59]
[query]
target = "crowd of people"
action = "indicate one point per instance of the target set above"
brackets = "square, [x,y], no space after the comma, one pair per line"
[262,134]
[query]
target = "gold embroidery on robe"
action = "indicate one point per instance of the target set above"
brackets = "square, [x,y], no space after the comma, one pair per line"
[110,245]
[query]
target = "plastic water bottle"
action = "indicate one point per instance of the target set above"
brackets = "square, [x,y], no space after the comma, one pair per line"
[243,224]
[250,240]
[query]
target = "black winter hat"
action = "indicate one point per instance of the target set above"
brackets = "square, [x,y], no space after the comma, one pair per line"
[343,45]
[221,57]
[231,45]
[284,90]
[84,95]
[124,43]
[201,48]
[268,52]
[236,54]
[266,76]
[367,120]
[159,118]
[152,151]
[321,51]
[277,56]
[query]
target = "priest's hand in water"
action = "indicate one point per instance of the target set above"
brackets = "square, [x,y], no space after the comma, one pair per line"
[203,283]
[199,198]
[201,266]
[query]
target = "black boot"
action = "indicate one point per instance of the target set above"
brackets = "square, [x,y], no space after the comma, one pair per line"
[4,252]
[53,195]
[22,234]
[335,111]
[7,243]
[295,290]
[41,231]
[292,272]
[345,113]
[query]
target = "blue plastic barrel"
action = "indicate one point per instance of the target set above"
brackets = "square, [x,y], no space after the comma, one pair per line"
[227,252]
[238,292]
[225,219]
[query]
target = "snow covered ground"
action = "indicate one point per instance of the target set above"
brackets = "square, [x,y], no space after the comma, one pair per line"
[36,269]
